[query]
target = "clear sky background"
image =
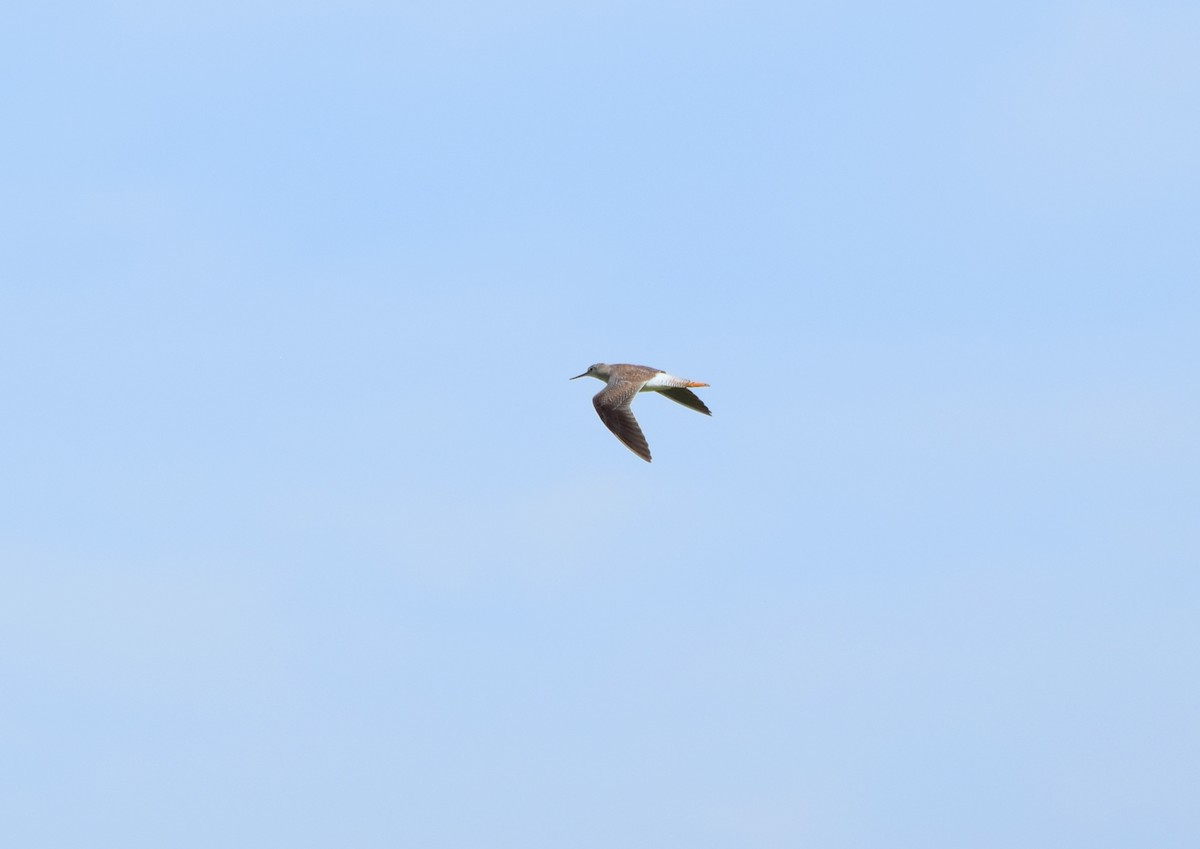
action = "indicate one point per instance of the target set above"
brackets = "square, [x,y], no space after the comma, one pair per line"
[307,541]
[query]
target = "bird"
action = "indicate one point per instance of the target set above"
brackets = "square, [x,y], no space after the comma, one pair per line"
[626,381]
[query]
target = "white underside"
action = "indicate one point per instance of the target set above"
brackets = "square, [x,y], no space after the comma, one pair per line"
[662,380]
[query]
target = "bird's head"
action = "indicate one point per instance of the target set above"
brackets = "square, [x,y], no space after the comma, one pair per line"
[600,371]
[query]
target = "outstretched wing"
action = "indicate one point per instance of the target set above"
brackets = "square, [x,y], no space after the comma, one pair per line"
[686,397]
[612,405]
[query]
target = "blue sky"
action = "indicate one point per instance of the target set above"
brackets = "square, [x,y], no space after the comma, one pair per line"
[307,541]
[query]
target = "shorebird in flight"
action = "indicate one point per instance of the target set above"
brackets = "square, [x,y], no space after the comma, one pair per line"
[626,381]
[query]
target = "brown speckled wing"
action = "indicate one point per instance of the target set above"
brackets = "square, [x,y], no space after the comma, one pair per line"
[686,397]
[612,405]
